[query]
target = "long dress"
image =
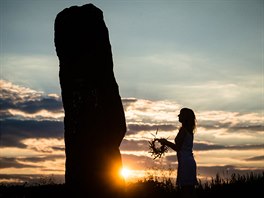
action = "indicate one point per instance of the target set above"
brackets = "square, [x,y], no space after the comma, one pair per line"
[186,173]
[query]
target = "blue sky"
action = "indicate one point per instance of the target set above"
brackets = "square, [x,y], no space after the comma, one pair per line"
[207,55]
[194,52]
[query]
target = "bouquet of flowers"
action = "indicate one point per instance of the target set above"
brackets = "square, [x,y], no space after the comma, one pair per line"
[157,149]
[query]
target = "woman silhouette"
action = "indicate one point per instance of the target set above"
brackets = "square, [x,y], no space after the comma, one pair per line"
[186,174]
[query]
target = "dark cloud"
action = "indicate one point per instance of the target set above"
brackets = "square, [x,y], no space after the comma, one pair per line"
[41,158]
[46,149]
[14,131]
[10,162]
[256,158]
[139,162]
[134,145]
[26,100]
[246,128]
[242,127]
[143,145]
[245,147]
[127,102]
[7,103]
[135,128]
[46,103]
[4,114]
[171,158]
[224,171]
[148,127]
[210,125]
[205,147]
[51,169]
[58,148]
[11,140]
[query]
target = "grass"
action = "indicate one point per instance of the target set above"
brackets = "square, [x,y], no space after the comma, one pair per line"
[249,185]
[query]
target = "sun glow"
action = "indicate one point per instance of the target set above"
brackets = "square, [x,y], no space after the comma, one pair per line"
[125,172]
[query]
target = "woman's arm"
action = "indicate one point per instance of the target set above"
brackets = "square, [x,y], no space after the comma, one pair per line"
[178,141]
[168,143]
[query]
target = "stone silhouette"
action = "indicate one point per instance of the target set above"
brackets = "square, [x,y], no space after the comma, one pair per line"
[94,121]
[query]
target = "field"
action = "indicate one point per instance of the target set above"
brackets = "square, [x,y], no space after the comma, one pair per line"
[250,185]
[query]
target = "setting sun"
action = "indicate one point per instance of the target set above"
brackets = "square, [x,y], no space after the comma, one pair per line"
[125,172]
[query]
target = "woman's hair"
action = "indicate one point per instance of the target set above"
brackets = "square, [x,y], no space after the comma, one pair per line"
[188,119]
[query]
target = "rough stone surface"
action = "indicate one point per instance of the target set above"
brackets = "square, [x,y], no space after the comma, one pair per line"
[94,120]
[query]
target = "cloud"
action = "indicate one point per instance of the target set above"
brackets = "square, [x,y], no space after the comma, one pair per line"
[10,162]
[45,145]
[135,128]
[152,111]
[16,93]
[225,171]
[207,146]
[142,145]
[21,101]
[140,114]
[139,161]
[38,159]
[33,121]
[228,119]
[38,115]
[147,127]
[171,158]
[14,131]
[127,102]
[256,158]
[27,162]
[134,145]
[204,146]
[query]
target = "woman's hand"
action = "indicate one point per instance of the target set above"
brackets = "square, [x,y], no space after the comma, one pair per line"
[163,141]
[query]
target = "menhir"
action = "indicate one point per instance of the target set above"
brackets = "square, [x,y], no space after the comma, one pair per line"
[94,117]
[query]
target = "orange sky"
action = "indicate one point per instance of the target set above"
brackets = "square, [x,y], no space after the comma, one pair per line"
[224,141]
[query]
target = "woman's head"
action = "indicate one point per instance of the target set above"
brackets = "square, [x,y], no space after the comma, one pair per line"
[187,118]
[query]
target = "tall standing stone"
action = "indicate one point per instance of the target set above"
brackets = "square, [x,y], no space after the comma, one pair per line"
[94,121]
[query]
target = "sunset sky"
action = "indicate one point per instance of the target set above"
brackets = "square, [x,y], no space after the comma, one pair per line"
[203,54]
